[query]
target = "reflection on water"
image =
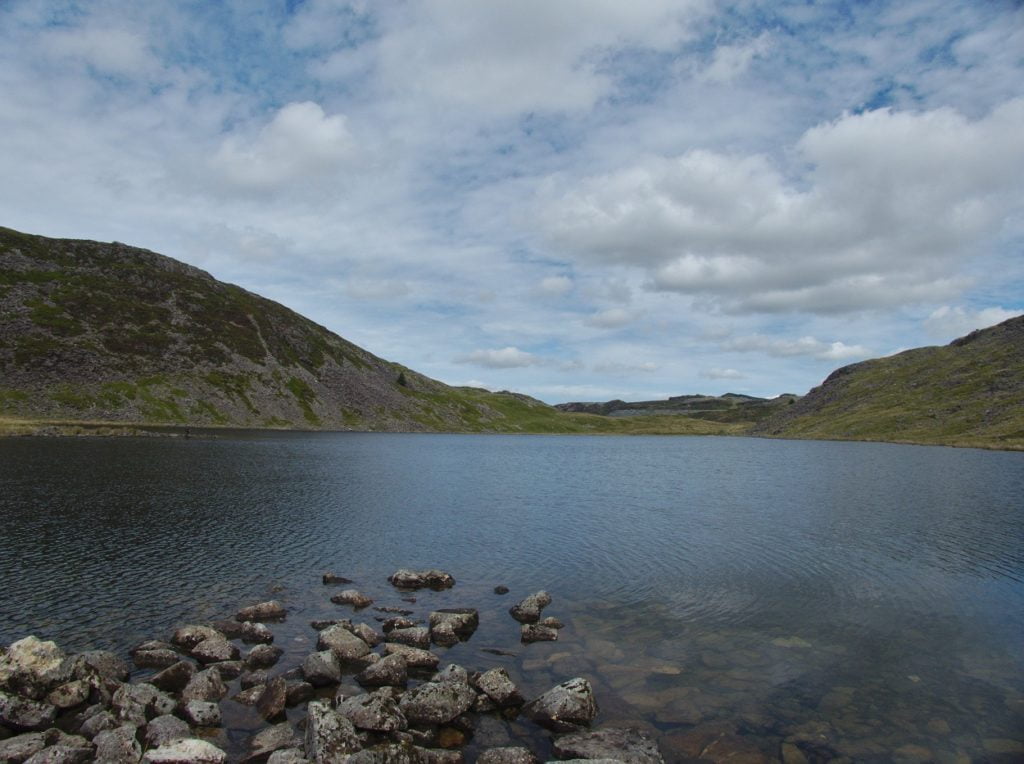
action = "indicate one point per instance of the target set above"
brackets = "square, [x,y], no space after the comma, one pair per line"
[734,597]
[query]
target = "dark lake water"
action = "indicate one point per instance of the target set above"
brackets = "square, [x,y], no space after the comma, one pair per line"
[850,599]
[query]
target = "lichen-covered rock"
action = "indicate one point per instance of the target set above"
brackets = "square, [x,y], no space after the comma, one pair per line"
[165,729]
[201,713]
[213,650]
[263,656]
[64,752]
[508,755]
[252,678]
[288,756]
[272,610]
[250,696]
[274,698]
[345,645]
[564,708]
[534,632]
[278,737]
[69,694]
[321,668]
[32,667]
[230,669]
[414,656]
[155,655]
[136,703]
[417,636]
[334,578]
[419,579]
[187,751]
[391,671]
[25,715]
[499,687]
[620,743]
[437,702]
[528,611]
[368,634]
[21,747]
[230,628]
[100,663]
[118,746]
[329,735]
[256,632]
[97,723]
[464,620]
[377,712]
[174,678]
[297,692]
[191,635]
[398,622]
[352,597]
[205,685]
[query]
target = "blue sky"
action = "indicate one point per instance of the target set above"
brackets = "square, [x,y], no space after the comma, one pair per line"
[578,200]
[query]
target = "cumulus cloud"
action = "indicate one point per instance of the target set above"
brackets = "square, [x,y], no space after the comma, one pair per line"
[620,367]
[722,374]
[889,206]
[954,321]
[300,142]
[505,358]
[804,346]
[612,318]
[555,286]
[730,61]
[110,51]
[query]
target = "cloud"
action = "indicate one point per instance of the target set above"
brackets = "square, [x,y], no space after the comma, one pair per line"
[505,358]
[617,367]
[110,51]
[950,322]
[882,210]
[804,346]
[730,61]
[299,143]
[722,374]
[555,286]
[375,289]
[612,318]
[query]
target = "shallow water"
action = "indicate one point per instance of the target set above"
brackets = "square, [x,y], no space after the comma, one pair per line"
[852,599]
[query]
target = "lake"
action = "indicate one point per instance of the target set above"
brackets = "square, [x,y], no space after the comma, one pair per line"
[843,599]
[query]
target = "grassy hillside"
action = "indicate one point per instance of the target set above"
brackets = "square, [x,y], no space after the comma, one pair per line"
[967,393]
[731,407]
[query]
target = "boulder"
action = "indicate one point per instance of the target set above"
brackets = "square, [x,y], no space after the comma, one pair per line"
[69,750]
[136,703]
[297,692]
[274,698]
[165,729]
[620,743]
[499,687]
[391,670]
[437,702]
[231,629]
[97,723]
[417,636]
[451,625]
[552,623]
[564,708]
[263,656]
[118,746]
[191,635]
[275,738]
[352,597]
[287,756]
[155,657]
[100,663]
[528,610]
[187,751]
[250,696]
[205,685]
[534,632]
[452,673]
[414,657]
[334,578]
[256,632]
[321,624]
[329,735]
[201,713]
[21,747]
[69,694]
[376,712]
[213,650]
[367,633]
[32,667]
[343,643]
[25,715]
[252,678]
[419,579]
[507,755]
[174,678]
[322,668]
[271,610]
[399,622]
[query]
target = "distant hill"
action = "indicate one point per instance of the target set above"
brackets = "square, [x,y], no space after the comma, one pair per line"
[731,407]
[970,392]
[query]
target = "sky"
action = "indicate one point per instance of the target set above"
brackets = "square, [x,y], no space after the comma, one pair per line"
[572,199]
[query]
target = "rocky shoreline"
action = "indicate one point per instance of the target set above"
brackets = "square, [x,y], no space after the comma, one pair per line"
[369,693]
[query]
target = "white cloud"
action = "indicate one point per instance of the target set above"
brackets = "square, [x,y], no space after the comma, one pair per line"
[114,51]
[612,318]
[618,367]
[555,286]
[299,143]
[804,346]
[505,358]
[949,322]
[375,289]
[722,374]
[730,61]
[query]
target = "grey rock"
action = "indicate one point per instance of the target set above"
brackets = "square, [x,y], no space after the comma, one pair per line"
[564,708]
[174,678]
[552,623]
[437,702]
[21,747]
[352,597]
[619,743]
[297,692]
[213,650]
[329,735]
[376,712]
[256,632]
[529,609]
[159,657]
[501,589]
[508,755]
[118,746]
[69,694]
[25,715]
[287,756]
[272,610]
[334,578]
[321,624]
[165,729]
[97,723]
[231,629]
[191,635]
[321,668]
[135,703]
[417,636]
[263,656]
[63,753]
[367,633]
[274,698]
[278,737]
[414,656]
[464,620]
[252,678]
[391,670]
[345,645]
[32,667]
[398,622]
[250,696]
[101,663]
[452,673]
[205,685]
[499,687]
[230,669]
[534,632]
[201,713]
[187,751]
[444,634]
[419,579]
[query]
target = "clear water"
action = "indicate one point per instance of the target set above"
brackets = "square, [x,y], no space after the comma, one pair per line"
[850,599]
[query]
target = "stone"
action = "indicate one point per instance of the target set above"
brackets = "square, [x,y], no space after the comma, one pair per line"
[69,694]
[501,589]
[256,632]
[165,729]
[287,756]
[250,696]
[620,743]
[376,712]
[499,687]
[297,692]
[275,738]
[205,685]
[367,633]
[230,629]
[201,713]
[414,657]
[400,622]
[322,668]
[191,635]
[187,751]
[508,755]
[564,708]
[334,578]
[65,752]
[534,632]
[391,670]
[413,579]
[135,703]
[437,702]
[174,678]
[352,597]
[529,609]
[321,624]
[444,634]
[32,667]
[213,650]
[25,715]
[552,623]
[417,636]
[272,610]
[252,678]
[329,735]
[263,656]
[158,658]
[21,747]
[97,723]
[345,645]
[118,746]
[274,698]
[101,663]
[791,754]
[450,625]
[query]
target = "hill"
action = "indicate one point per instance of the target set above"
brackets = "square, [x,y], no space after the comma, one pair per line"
[731,407]
[968,393]
[96,335]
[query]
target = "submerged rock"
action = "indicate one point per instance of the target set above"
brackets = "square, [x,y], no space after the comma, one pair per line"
[280,736]
[617,743]
[273,699]
[345,645]
[507,755]
[414,656]
[272,610]
[529,609]
[534,632]
[352,597]
[420,579]
[564,708]
[334,578]
[376,712]
[499,687]
[437,702]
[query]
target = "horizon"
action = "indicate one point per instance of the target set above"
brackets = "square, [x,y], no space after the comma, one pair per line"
[578,202]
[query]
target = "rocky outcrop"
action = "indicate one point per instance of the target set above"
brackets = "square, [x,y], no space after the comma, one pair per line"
[421,579]
[564,708]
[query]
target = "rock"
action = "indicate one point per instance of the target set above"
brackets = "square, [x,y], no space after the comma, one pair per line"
[118,746]
[201,713]
[288,756]
[276,738]
[334,578]
[298,692]
[391,670]
[69,694]
[619,743]
[250,696]
[565,707]
[271,610]
[450,625]
[32,667]
[501,589]
[263,656]
[552,623]
[25,715]
[321,669]
[329,735]
[352,597]
[101,663]
[508,755]
[230,629]
[377,712]
[213,650]
[65,752]
[97,723]
[417,636]
[400,622]
[499,687]
[160,657]
[414,657]
[345,645]
[191,635]
[367,634]
[320,625]
[252,678]
[205,685]
[533,632]
[452,673]
[437,702]
[187,751]
[135,703]
[256,632]
[21,747]
[528,611]
[397,610]
[165,729]
[272,702]
[411,579]
[174,678]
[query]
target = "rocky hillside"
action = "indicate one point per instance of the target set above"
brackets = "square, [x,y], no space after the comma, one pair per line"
[108,332]
[970,392]
[731,407]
